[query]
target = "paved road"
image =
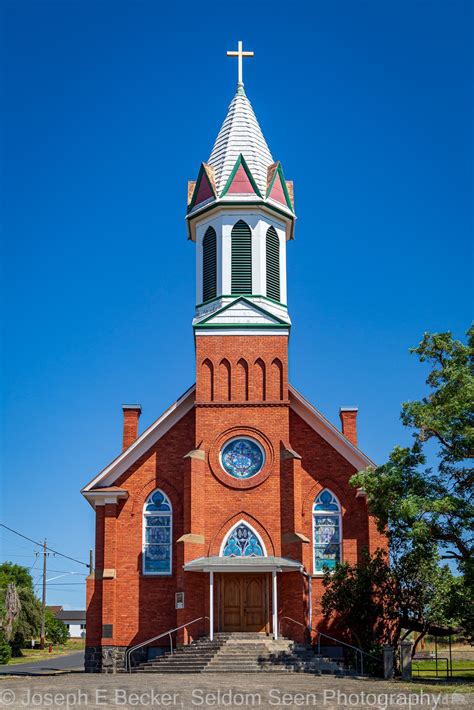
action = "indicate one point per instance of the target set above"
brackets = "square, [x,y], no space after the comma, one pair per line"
[70,662]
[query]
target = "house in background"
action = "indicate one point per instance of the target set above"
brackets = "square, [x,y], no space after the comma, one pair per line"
[75,620]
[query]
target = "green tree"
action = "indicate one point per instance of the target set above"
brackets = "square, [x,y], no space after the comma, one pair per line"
[26,623]
[5,650]
[374,601]
[56,630]
[361,597]
[16,574]
[429,511]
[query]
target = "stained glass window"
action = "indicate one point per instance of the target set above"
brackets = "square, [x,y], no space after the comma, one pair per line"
[157,523]
[326,531]
[242,457]
[242,542]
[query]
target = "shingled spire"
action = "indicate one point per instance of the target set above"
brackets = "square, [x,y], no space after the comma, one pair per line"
[240,134]
[240,174]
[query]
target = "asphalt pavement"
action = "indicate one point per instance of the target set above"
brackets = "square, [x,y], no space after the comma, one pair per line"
[70,662]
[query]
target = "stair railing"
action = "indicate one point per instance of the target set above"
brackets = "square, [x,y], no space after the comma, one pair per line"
[132,649]
[357,649]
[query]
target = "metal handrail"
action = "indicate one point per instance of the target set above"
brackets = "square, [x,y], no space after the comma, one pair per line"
[357,649]
[132,649]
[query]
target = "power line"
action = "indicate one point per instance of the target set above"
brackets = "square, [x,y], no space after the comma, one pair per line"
[9,554]
[35,542]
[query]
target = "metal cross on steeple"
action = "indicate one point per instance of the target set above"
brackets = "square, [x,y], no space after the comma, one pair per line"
[240,54]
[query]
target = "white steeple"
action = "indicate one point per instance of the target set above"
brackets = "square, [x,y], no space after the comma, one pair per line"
[240,215]
[240,134]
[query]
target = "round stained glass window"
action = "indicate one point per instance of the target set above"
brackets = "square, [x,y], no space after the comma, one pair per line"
[242,458]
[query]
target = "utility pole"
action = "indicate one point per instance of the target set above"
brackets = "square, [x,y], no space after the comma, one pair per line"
[43,602]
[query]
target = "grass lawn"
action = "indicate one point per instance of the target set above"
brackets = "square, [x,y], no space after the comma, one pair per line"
[427,669]
[425,685]
[30,655]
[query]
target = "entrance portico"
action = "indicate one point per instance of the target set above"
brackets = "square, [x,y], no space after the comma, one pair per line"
[244,587]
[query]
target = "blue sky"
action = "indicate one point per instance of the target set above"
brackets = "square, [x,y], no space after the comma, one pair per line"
[110,108]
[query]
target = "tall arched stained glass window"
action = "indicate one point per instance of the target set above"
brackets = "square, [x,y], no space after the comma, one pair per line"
[209,264]
[326,531]
[242,542]
[157,532]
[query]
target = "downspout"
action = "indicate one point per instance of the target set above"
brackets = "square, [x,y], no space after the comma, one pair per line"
[310,599]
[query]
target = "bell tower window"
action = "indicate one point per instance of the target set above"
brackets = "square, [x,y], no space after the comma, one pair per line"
[273,264]
[209,265]
[241,255]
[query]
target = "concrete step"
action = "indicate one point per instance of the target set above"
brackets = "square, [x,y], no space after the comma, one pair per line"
[245,653]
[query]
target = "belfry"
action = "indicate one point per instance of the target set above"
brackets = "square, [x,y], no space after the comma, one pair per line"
[224,514]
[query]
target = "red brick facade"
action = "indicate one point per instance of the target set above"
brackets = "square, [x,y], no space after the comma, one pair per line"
[241,389]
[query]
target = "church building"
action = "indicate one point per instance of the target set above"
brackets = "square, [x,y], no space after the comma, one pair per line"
[225,513]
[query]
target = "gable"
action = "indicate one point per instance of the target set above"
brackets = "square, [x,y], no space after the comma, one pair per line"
[328,431]
[277,187]
[203,188]
[241,312]
[241,181]
[110,474]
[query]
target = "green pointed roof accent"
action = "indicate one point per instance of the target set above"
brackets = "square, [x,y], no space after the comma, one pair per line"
[241,161]
[279,171]
[203,174]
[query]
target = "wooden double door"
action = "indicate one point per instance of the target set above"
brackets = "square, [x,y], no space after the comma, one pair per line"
[243,602]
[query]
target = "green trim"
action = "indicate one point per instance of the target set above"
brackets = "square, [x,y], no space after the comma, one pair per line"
[244,300]
[241,161]
[240,326]
[279,171]
[238,203]
[197,185]
[248,297]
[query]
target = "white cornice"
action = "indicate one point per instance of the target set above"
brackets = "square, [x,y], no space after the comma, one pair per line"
[215,207]
[242,331]
[327,430]
[104,497]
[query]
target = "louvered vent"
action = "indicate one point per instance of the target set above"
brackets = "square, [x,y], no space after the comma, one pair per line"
[273,264]
[209,265]
[241,258]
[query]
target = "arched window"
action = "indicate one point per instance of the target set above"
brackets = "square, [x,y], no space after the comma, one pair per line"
[273,264]
[242,541]
[326,531]
[209,264]
[241,258]
[157,532]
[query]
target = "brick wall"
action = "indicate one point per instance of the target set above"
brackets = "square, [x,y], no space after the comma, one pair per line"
[243,395]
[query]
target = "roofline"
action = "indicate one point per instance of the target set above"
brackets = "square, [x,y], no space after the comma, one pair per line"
[135,450]
[328,431]
[183,405]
